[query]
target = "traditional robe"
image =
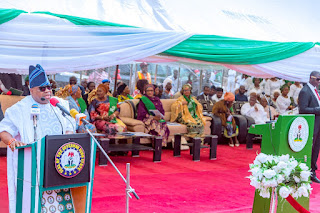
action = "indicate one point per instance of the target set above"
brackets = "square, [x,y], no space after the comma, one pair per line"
[18,123]
[260,116]
[283,104]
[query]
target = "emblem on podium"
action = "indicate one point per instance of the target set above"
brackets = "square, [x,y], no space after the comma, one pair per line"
[298,134]
[70,159]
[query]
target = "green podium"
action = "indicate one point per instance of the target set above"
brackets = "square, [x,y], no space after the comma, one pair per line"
[60,167]
[290,134]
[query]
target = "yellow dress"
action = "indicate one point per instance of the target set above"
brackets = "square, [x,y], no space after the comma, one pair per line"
[181,114]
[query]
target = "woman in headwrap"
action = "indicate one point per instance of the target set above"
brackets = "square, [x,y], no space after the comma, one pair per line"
[187,110]
[224,110]
[155,125]
[72,93]
[167,93]
[104,111]
[141,83]
[123,93]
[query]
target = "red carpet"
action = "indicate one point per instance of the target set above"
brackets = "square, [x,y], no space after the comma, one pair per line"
[175,184]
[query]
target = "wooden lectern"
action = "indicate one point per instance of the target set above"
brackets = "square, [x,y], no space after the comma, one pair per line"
[56,163]
[290,134]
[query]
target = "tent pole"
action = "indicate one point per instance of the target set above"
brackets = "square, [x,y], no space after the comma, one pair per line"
[200,82]
[130,80]
[179,78]
[155,74]
[115,81]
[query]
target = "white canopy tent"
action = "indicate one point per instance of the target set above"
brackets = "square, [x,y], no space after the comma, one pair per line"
[59,45]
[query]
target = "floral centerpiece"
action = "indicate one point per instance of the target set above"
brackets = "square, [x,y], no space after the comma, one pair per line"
[282,174]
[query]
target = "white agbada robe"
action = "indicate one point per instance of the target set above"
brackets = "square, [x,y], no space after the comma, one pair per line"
[258,91]
[231,80]
[18,123]
[260,116]
[216,99]
[283,104]
[294,92]
[248,83]
[271,86]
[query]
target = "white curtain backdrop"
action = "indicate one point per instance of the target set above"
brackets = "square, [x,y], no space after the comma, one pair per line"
[60,46]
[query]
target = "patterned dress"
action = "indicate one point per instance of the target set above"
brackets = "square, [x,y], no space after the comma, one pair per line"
[153,126]
[101,108]
[193,119]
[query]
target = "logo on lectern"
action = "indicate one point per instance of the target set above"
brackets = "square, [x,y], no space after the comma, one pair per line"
[70,159]
[298,134]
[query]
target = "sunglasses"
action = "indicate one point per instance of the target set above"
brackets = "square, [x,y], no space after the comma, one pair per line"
[318,79]
[43,88]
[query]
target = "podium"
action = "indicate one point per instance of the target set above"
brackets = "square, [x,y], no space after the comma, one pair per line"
[60,163]
[290,134]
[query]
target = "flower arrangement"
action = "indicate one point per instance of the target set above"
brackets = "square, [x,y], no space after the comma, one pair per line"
[283,173]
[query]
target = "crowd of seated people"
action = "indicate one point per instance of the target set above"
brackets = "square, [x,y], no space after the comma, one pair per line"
[258,97]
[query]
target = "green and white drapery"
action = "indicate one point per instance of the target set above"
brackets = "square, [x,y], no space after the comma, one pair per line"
[68,43]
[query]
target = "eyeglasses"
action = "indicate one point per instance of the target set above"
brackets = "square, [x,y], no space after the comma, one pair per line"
[43,88]
[150,90]
[314,77]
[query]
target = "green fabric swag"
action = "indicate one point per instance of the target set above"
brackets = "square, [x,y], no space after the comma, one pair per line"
[192,106]
[229,50]
[82,104]
[150,106]
[9,14]
[130,97]
[210,48]
[113,107]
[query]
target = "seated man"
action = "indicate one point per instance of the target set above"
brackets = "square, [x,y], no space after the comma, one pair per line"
[274,112]
[204,99]
[254,110]
[219,95]
[241,96]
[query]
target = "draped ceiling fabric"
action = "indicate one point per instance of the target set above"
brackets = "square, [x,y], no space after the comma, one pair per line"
[262,39]
[59,46]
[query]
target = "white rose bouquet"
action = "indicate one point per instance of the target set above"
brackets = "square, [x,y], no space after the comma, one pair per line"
[283,173]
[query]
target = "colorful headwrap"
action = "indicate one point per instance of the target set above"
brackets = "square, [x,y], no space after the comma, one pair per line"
[105,81]
[37,76]
[229,96]
[73,89]
[103,87]
[187,86]
[148,86]
[121,88]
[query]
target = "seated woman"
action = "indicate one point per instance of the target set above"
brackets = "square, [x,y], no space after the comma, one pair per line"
[223,109]
[187,110]
[283,101]
[104,112]
[154,124]
[123,93]
[140,88]
[72,93]
[274,98]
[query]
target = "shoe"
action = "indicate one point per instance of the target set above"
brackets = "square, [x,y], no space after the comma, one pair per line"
[231,144]
[237,144]
[314,179]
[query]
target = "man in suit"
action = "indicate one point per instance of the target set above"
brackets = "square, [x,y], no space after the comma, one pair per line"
[309,103]
[204,99]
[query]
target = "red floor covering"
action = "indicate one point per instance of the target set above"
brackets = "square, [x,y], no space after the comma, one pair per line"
[175,184]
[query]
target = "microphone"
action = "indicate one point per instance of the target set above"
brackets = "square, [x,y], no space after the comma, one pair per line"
[35,112]
[263,93]
[42,99]
[80,117]
[56,103]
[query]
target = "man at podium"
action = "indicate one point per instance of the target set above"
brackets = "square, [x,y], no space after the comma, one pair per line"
[309,103]
[29,120]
